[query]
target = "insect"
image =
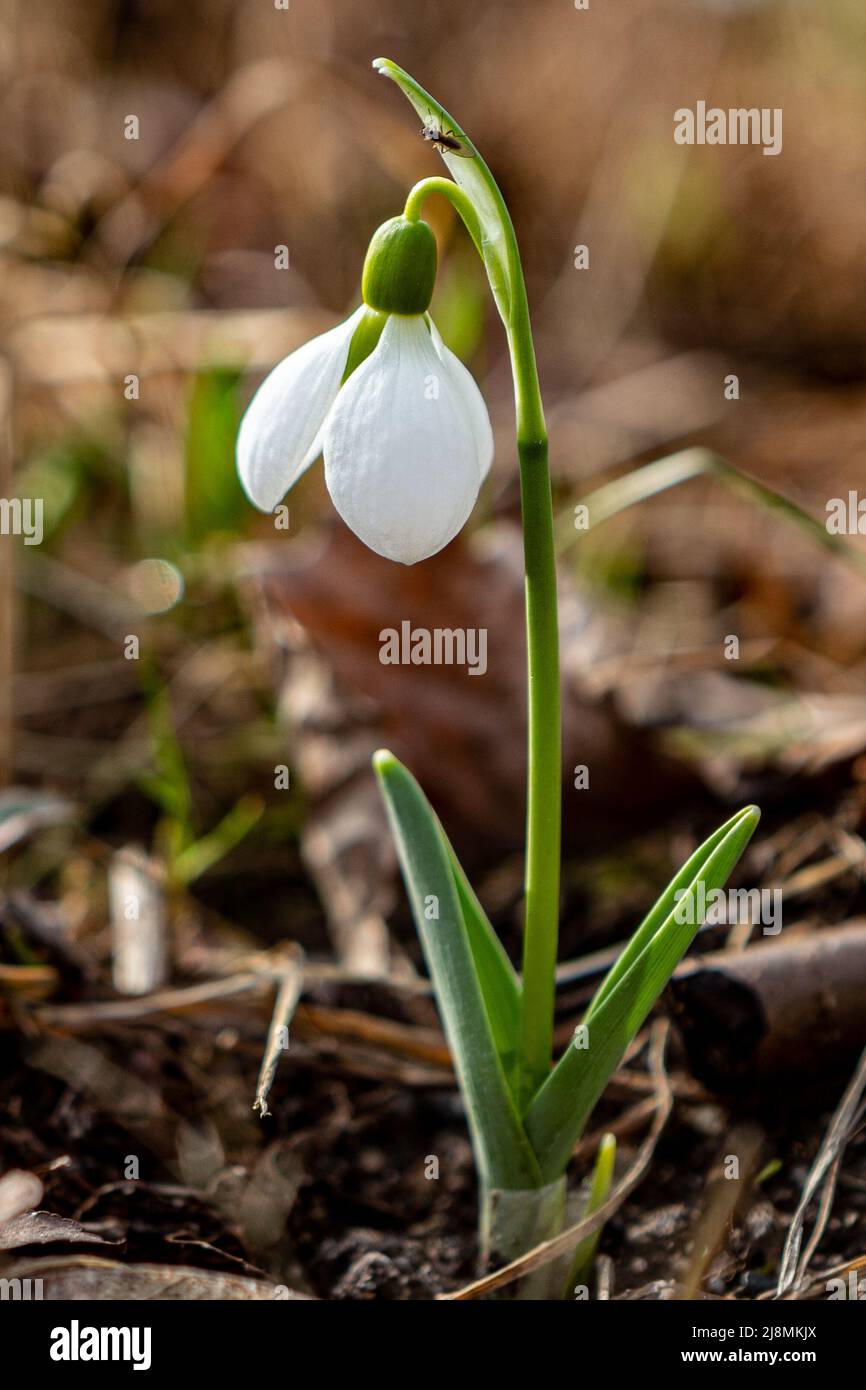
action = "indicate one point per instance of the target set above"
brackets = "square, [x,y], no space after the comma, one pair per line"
[444,140]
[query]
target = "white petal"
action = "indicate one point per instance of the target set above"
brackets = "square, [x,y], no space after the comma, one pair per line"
[473,399]
[281,429]
[401,460]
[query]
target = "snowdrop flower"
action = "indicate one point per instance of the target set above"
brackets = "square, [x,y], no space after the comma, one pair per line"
[403,427]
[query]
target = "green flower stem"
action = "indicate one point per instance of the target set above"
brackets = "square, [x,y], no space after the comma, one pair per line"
[461,201]
[543,811]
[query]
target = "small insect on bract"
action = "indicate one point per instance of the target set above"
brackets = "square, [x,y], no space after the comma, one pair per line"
[444,140]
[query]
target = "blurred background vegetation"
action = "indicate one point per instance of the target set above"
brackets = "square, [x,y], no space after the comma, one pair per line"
[228,765]
[154,257]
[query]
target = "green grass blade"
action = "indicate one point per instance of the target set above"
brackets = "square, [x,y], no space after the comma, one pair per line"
[213,498]
[652,478]
[207,851]
[647,481]
[500,984]
[599,1191]
[503,1153]
[561,1108]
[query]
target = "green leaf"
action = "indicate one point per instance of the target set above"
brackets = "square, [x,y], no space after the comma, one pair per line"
[500,985]
[168,783]
[503,1153]
[657,914]
[599,1191]
[214,498]
[561,1108]
[207,851]
[499,981]
[653,478]
[494,236]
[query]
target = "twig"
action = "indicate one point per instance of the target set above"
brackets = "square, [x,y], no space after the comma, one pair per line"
[563,1243]
[139,923]
[792,1005]
[604,1278]
[288,995]
[164,1001]
[722,1200]
[424,1045]
[822,1174]
[820,1277]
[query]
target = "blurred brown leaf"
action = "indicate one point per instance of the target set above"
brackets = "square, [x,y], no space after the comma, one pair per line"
[324,609]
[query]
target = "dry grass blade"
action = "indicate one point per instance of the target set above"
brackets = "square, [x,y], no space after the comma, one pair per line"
[822,1178]
[811,1281]
[98,1012]
[631,1120]
[288,995]
[318,1025]
[567,1240]
[604,1278]
[24,811]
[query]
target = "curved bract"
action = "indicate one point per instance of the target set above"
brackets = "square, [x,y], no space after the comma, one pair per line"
[497,245]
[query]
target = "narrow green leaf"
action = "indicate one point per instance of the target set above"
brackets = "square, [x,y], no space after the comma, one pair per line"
[658,912]
[561,1108]
[640,484]
[599,1191]
[167,784]
[503,1153]
[207,851]
[500,985]
[213,496]
[499,981]
[653,478]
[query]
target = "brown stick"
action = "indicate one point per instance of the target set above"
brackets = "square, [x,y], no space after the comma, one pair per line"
[792,1005]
